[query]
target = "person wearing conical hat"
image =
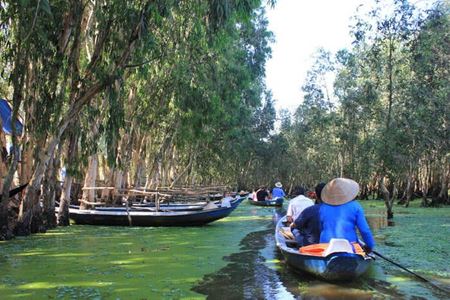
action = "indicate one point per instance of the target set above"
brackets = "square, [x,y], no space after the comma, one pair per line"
[340,214]
[277,191]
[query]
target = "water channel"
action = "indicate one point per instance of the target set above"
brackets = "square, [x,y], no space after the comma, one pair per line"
[234,258]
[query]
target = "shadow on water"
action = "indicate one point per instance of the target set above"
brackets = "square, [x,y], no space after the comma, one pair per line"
[260,272]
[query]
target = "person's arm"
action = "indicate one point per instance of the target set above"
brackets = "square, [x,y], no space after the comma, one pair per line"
[302,219]
[364,229]
[289,214]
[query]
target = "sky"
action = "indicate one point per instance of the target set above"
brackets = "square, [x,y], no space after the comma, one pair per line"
[300,28]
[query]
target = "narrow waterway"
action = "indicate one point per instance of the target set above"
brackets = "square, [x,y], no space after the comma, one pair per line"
[234,258]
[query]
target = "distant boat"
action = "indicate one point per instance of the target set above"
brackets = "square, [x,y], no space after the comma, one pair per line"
[320,260]
[271,202]
[147,216]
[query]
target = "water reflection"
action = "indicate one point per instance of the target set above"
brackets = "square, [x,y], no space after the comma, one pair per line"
[259,272]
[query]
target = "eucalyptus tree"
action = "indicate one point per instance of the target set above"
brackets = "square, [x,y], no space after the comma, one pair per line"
[77,49]
[387,56]
[313,130]
[429,107]
[182,99]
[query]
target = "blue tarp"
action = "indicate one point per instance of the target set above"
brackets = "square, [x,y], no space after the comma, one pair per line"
[6,115]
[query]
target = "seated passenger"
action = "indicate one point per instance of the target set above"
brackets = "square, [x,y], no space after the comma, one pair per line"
[277,191]
[297,205]
[340,214]
[308,222]
[262,194]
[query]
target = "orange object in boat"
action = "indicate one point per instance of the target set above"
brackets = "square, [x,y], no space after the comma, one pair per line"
[318,249]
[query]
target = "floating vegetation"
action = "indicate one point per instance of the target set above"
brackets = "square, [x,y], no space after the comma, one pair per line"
[236,256]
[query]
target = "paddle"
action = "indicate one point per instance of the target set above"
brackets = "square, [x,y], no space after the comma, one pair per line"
[406,269]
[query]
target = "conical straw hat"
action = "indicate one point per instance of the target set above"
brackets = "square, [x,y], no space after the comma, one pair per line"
[339,191]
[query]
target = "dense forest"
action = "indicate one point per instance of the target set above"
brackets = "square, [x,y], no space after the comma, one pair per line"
[165,93]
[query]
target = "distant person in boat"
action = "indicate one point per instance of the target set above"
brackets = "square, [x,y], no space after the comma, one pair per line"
[297,205]
[308,222]
[277,191]
[242,193]
[340,214]
[262,194]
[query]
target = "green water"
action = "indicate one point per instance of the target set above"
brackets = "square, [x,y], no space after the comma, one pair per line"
[233,258]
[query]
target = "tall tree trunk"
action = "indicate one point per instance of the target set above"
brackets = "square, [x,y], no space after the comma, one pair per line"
[63,212]
[71,154]
[3,156]
[388,198]
[138,161]
[90,178]
[49,192]
[30,219]
[409,190]
[442,197]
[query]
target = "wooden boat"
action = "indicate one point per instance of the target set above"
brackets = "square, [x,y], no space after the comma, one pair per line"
[271,202]
[151,217]
[335,266]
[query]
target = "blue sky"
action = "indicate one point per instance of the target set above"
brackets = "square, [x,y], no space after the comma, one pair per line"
[300,28]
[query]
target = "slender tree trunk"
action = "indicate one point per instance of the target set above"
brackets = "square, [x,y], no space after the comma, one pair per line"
[72,150]
[49,191]
[138,161]
[192,157]
[3,156]
[442,197]
[388,198]
[63,212]
[90,178]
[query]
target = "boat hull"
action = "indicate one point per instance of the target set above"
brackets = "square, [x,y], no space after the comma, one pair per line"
[150,218]
[334,267]
[272,202]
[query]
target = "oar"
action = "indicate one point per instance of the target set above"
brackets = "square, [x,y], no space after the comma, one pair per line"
[411,272]
[405,269]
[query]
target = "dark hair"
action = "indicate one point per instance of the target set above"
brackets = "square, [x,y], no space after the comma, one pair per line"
[319,189]
[300,190]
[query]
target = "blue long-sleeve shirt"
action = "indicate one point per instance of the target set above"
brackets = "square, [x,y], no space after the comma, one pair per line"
[277,192]
[340,221]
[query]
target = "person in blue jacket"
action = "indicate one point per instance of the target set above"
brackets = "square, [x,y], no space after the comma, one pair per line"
[340,214]
[277,191]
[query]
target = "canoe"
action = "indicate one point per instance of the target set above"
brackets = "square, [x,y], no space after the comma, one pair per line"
[271,202]
[336,266]
[147,217]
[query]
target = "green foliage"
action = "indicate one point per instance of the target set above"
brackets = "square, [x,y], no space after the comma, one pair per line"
[388,112]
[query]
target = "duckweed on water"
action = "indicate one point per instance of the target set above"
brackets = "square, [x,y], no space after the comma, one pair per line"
[92,262]
[235,256]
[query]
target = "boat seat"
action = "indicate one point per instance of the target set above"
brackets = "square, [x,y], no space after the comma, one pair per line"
[338,245]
